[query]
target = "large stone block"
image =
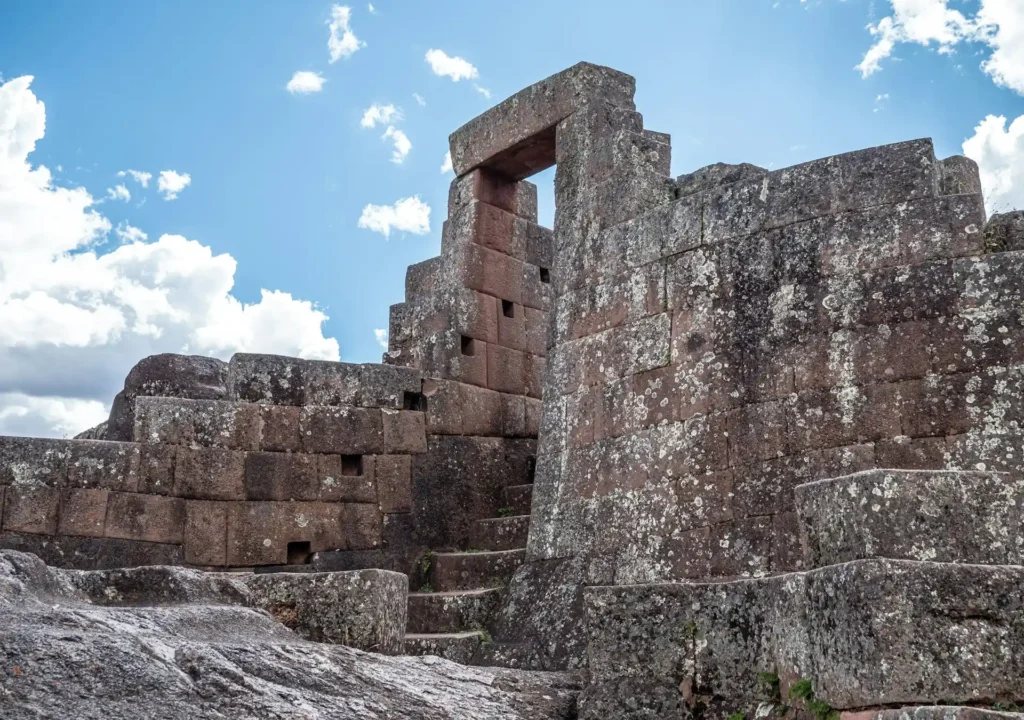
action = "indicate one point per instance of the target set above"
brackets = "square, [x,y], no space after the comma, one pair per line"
[511,137]
[281,476]
[83,512]
[347,478]
[519,198]
[341,430]
[364,609]
[276,533]
[33,461]
[404,431]
[103,464]
[92,553]
[151,518]
[209,474]
[206,532]
[958,517]
[31,509]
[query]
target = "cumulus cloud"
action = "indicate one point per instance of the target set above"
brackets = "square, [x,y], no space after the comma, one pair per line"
[446,166]
[401,144]
[454,67]
[304,82]
[378,114]
[999,24]
[409,214]
[170,183]
[74,319]
[139,176]
[342,42]
[382,337]
[119,192]
[999,151]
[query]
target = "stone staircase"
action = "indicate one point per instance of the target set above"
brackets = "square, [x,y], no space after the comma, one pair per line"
[464,589]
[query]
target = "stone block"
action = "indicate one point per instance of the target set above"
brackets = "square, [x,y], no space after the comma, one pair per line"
[536,287]
[259,533]
[206,532]
[156,469]
[341,430]
[280,428]
[534,368]
[1004,232]
[347,478]
[281,476]
[476,316]
[512,138]
[481,411]
[511,325]
[267,379]
[363,526]
[33,461]
[444,407]
[908,453]
[103,464]
[536,331]
[959,175]
[506,370]
[533,415]
[404,431]
[31,509]
[209,474]
[394,483]
[540,248]
[87,553]
[519,198]
[742,547]
[364,609]
[453,356]
[83,512]
[387,386]
[151,518]
[494,228]
[228,425]
[957,517]
[490,272]
[513,416]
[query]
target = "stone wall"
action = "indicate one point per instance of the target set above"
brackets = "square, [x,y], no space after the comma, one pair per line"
[301,457]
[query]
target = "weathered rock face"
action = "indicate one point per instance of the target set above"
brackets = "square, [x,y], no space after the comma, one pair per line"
[184,654]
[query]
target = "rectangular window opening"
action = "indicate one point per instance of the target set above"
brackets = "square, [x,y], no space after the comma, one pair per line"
[299,553]
[508,308]
[532,470]
[414,401]
[351,465]
[545,275]
[468,346]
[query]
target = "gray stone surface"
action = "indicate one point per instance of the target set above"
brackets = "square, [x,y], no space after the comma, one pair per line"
[365,609]
[68,657]
[957,517]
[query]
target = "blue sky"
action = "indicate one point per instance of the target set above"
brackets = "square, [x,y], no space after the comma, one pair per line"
[279,180]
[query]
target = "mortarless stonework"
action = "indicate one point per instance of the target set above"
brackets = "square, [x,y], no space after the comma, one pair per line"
[735,422]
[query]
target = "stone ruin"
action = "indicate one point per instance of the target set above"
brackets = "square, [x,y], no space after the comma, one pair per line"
[740,441]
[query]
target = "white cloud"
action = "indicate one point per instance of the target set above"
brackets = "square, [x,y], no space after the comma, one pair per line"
[371,9]
[446,166]
[420,100]
[304,82]
[483,91]
[127,233]
[74,320]
[342,42]
[119,192]
[382,337]
[409,214]
[999,152]
[454,67]
[999,24]
[170,183]
[401,143]
[380,114]
[142,178]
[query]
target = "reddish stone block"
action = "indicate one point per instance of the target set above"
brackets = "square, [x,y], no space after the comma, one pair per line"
[907,453]
[362,526]
[280,428]
[741,548]
[513,416]
[767,486]
[481,411]
[536,331]
[476,316]
[156,469]
[492,272]
[581,415]
[506,370]
[394,483]
[616,409]
[163,420]
[281,476]
[209,474]
[151,518]
[533,415]
[83,512]
[494,189]
[444,407]
[534,367]
[536,287]
[494,228]
[259,533]
[757,432]
[31,509]
[347,478]
[405,431]
[206,533]
[935,406]
[704,499]
[341,430]
[101,464]
[836,462]
[690,553]
[787,550]
[511,325]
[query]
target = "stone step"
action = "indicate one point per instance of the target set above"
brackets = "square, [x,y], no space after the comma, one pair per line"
[451,612]
[457,647]
[500,533]
[517,498]
[474,570]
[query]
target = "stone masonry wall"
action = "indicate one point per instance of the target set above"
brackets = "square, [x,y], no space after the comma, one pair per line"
[305,457]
